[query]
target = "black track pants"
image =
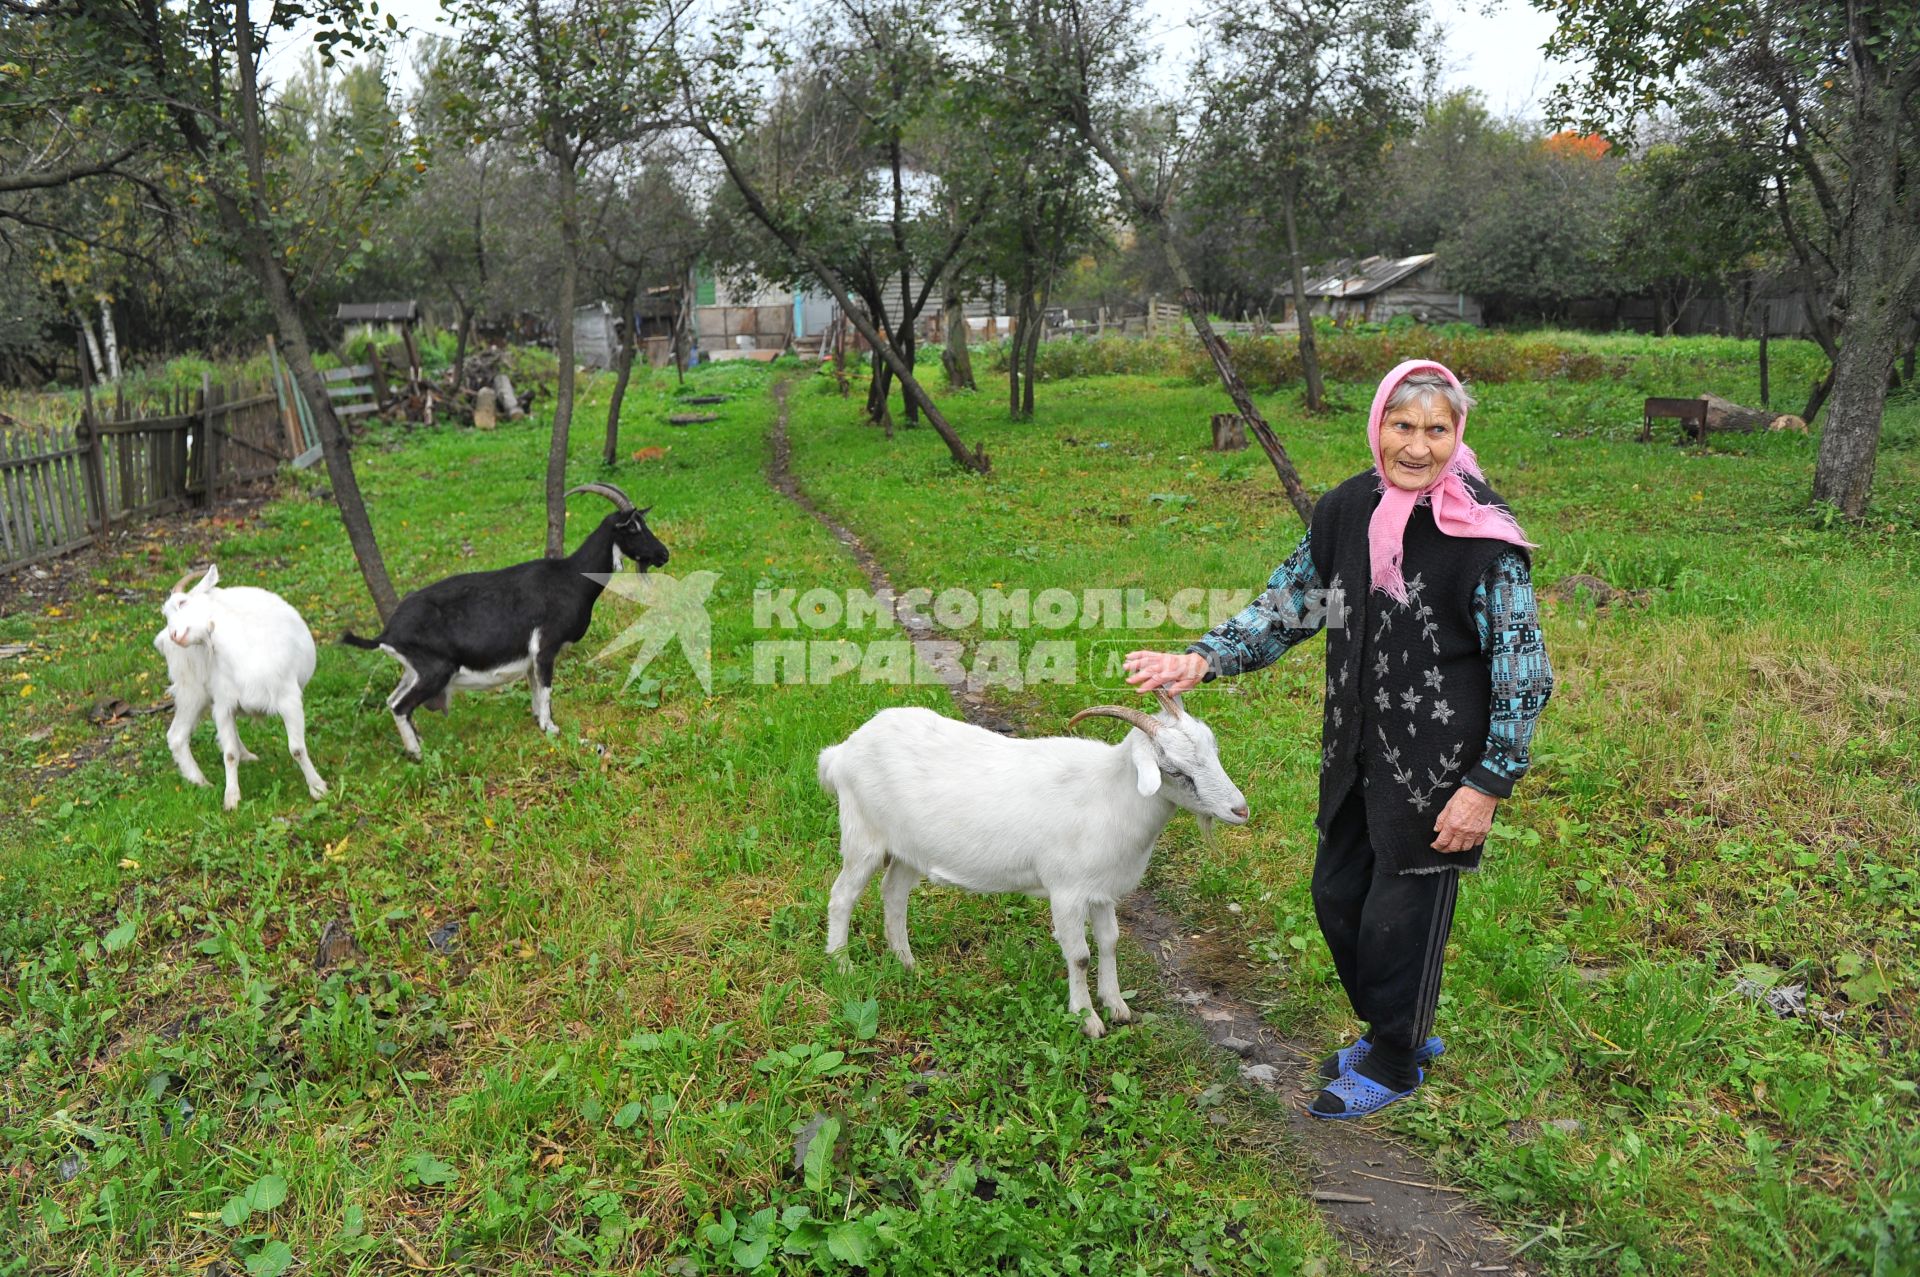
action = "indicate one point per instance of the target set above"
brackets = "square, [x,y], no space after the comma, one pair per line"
[1388,935]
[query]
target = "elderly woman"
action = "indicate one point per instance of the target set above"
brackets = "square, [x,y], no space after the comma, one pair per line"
[1435,675]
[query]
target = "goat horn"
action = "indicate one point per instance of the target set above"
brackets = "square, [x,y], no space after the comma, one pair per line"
[1125,713]
[1170,703]
[608,491]
[180,586]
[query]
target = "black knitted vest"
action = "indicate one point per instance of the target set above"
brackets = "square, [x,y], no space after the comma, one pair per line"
[1408,687]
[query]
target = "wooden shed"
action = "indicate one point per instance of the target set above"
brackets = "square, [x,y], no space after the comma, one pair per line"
[1376,289]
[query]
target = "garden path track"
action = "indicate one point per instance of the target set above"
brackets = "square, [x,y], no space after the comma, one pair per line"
[1379,1196]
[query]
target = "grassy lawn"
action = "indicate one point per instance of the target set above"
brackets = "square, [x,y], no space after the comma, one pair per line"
[1727,784]
[606,1063]
[586,1015]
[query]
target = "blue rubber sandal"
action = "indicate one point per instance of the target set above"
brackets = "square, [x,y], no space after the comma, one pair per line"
[1362,1095]
[1348,1058]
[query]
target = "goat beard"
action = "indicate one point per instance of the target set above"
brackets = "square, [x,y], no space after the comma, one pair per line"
[1206,830]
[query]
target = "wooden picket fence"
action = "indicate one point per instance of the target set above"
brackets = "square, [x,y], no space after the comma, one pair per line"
[60,488]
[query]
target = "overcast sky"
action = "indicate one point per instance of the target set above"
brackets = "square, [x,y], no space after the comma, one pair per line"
[1491,45]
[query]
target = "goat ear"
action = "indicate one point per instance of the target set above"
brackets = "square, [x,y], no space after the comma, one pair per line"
[1146,769]
[211,579]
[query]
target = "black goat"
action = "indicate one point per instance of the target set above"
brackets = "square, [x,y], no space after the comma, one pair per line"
[487,629]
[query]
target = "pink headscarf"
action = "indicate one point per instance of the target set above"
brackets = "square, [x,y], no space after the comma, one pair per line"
[1454,509]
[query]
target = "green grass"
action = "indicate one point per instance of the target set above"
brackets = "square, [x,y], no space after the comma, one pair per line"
[1676,366]
[1726,785]
[606,1068]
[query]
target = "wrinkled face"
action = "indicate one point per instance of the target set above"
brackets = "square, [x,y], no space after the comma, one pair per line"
[635,541]
[1187,760]
[1417,440]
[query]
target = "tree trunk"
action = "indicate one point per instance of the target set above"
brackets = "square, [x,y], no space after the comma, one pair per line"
[879,386]
[1843,468]
[880,396]
[1766,388]
[837,336]
[908,338]
[1817,396]
[563,343]
[460,343]
[958,359]
[93,343]
[623,370]
[682,328]
[1309,353]
[1016,347]
[110,339]
[252,233]
[1032,341]
[1882,286]
[1900,376]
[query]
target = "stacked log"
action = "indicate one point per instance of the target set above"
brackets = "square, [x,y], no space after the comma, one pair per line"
[1723,414]
[485,392]
[1229,432]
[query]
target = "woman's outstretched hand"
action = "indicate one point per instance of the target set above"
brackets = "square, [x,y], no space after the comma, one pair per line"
[1465,821]
[1173,672]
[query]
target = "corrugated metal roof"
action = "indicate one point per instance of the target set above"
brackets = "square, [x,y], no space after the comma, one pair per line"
[1366,276]
[378,312]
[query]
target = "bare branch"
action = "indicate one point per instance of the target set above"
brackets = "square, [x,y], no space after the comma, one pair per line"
[45,179]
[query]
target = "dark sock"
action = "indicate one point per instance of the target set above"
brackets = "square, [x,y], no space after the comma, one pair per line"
[1330,1104]
[1330,1067]
[1390,1066]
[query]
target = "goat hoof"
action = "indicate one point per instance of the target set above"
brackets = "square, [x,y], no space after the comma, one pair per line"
[317,791]
[1092,1027]
[841,961]
[232,801]
[1119,1013]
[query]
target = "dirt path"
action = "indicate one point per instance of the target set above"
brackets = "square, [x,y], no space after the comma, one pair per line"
[1380,1197]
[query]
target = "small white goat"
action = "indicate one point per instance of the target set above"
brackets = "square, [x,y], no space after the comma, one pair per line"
[1072,820]
[234,651]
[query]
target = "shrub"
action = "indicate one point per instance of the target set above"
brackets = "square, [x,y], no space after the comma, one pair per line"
[1359,354]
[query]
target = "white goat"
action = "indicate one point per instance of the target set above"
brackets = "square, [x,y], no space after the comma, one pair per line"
[234,651]
[1072,820]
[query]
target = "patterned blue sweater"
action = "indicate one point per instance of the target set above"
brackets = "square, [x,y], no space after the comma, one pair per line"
[1504,611]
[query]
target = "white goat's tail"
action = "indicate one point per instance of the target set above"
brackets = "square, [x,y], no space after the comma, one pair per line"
[826,769]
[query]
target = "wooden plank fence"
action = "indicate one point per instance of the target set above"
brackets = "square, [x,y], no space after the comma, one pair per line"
[60,488]
[44,507]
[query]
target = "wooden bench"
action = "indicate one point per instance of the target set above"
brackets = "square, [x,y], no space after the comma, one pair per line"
[1690,413]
